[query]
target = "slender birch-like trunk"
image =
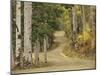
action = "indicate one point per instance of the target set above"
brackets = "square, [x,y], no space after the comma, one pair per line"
[27,32]
[92,24]
[45,50]
[47,40]
[18,30]
[83,20]
[74,19]
[12,59]
[36,52]
[74,25]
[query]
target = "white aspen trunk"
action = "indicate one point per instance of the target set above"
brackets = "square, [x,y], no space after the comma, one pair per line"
[92,25]
[45,50]
[34,47]
[74,25]
[74,19]
[38,49]
[71,21]
[92,13]
[83,20]
[12,60]
[36,52]
[27,32]
[18,29]
[91,16]
[47,40]
[83,12]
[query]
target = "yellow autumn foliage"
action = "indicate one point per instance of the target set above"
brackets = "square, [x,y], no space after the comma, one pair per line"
[85,35]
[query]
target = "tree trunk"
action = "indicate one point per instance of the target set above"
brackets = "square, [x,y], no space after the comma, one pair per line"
[18,32]
[71,23]
[45,50]
[84,21]
[92,17]
[92,24]
[12,59]
[13,37]
[74,19]
[36,52]
[74,25]
[27,32]
[47,40]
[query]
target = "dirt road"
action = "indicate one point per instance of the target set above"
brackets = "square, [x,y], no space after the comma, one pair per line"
[58,61]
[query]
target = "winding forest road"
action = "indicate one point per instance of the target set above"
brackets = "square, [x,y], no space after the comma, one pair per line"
[57,61]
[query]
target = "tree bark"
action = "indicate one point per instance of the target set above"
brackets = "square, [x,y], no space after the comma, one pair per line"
[74,22]
[36,52]
[92,24]
[47,40]
[83,20]
[27,32]
[12,59]
[45,50]
[74,19]
[92,17]
[18,32]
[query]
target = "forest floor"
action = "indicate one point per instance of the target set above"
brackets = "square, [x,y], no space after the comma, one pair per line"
[57,61]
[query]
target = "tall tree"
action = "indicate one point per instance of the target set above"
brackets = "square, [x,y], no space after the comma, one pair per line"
[36,51]
[27,32]
[47,39]
[12,59]
[74,22]
[18,31]
[45,49]
[83,20]
[13,36]
[92,24]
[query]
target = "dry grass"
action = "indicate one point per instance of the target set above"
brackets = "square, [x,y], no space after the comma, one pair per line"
[84,52]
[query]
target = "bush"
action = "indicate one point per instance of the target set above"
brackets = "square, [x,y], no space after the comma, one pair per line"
[84,45]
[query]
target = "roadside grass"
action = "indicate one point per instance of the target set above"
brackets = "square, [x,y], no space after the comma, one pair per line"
[72,52]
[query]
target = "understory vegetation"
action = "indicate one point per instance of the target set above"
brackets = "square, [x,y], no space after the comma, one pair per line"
[82,43]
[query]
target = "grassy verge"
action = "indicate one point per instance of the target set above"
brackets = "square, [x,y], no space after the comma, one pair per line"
[72,52]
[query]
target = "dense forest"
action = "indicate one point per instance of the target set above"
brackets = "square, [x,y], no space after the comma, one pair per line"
[34,24]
